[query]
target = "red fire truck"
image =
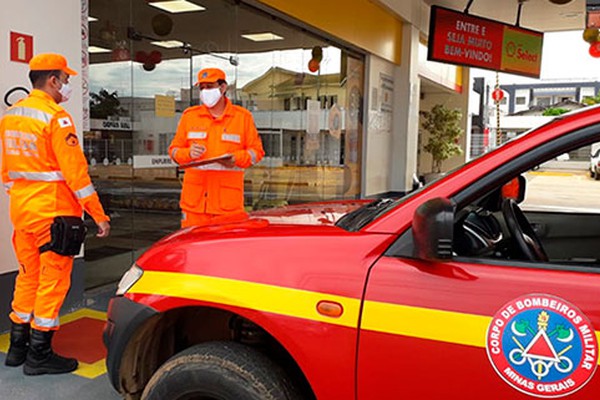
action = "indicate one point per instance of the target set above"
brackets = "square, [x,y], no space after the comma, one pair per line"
[453,291]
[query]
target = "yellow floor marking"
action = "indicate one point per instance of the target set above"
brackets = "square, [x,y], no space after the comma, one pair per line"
[91,371]
[551,173]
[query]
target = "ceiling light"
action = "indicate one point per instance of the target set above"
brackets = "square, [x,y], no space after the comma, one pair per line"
[177,6]
[262,37]
[168,44]
[92,19]
[96,49]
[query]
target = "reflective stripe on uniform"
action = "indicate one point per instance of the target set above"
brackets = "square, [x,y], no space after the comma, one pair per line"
[8,185]
[217,167]
[25,317]
[173,154]
[197,135]
[252,156]
[31,113]
[50,176]
[85,192]
[231,137]
[46,322]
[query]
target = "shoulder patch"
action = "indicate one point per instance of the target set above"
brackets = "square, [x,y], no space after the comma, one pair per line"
[72,139]
[64,122]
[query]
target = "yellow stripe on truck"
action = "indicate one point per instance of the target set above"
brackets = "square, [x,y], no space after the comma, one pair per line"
[425,323]
[255,296]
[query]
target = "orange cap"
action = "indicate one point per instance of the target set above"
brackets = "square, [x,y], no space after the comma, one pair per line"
[210,75]
[49,62]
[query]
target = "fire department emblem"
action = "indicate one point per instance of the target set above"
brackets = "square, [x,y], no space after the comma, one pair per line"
[542,345]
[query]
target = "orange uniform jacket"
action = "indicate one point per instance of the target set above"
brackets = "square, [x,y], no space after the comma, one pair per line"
[214,188]
[43,167]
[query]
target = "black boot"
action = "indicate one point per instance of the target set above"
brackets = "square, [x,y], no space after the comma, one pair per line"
[42,360]
[19,343]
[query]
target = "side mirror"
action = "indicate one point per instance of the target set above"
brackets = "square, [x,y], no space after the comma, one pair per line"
[433,230]
[514,189]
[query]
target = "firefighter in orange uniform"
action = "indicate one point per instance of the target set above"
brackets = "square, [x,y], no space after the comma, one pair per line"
[45,174]
[214,193]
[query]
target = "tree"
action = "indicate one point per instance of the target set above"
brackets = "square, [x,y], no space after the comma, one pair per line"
[443,125]
[104,104]
[553,111]
[591,100]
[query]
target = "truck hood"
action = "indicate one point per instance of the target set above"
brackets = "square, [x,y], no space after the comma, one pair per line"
[321,213]
[296,256]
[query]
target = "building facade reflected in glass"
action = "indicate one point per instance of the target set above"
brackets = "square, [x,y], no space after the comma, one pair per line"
[304,91]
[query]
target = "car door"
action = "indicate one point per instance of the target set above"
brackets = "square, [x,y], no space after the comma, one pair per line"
[484,327]
[431,330]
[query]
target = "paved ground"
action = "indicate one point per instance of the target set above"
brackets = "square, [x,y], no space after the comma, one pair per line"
[80,336]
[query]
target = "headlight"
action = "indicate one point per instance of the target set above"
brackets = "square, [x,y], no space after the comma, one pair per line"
[129,279]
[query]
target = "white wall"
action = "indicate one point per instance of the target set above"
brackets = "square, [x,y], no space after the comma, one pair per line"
[55,27]
[522,93]
[377,164]
[586,92]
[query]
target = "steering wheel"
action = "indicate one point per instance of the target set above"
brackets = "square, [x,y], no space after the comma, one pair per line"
[522,231]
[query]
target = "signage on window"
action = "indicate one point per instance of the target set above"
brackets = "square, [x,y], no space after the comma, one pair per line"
[463,39]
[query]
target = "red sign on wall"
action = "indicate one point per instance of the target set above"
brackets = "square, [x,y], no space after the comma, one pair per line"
[21,47]
[464,39]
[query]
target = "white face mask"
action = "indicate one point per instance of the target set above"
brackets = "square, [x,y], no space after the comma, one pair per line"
[210,97]
[65,91]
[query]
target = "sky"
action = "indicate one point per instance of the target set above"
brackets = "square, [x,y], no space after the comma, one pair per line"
[170,76]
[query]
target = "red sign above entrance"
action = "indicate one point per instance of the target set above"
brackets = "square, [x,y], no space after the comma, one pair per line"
[463,39]
[21,47]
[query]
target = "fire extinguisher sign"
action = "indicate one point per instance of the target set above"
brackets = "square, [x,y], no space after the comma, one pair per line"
[21,47]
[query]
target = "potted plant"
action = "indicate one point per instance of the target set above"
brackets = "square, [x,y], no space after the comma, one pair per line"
[443,125]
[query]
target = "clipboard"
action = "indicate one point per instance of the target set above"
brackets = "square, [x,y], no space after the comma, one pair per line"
[205,161]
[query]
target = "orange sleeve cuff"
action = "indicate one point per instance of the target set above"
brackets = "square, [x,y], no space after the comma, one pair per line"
[93,207]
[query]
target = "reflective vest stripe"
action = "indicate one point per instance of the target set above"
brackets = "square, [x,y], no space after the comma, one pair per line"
[230,137]
[197,135]
[8,185]
[46,322]
[50,176]
[23,316]
[85,192]
[173,154]
[217,167]
[252,156]
[30,113]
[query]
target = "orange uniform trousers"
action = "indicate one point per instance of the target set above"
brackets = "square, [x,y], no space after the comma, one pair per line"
[197,219]
[43,279]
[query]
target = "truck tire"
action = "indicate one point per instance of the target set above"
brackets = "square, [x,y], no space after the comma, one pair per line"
[220,371]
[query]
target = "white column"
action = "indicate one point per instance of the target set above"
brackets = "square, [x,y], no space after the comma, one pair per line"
[406,112]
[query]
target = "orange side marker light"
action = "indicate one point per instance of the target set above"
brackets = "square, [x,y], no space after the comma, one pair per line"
[330,308]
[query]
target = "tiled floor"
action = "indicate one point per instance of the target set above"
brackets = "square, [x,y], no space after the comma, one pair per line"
[80,336]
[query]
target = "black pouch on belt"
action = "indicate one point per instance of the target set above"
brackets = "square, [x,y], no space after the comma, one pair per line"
[67,234]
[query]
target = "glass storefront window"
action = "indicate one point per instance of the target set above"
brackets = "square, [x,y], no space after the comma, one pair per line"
[304,92]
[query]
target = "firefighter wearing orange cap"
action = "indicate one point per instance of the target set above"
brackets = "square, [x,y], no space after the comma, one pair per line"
[214,192]
[45,174]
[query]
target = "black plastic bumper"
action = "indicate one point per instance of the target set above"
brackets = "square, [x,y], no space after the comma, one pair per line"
[124,318]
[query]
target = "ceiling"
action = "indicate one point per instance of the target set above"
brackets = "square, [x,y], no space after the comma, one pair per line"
[216,29]
[539,15]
